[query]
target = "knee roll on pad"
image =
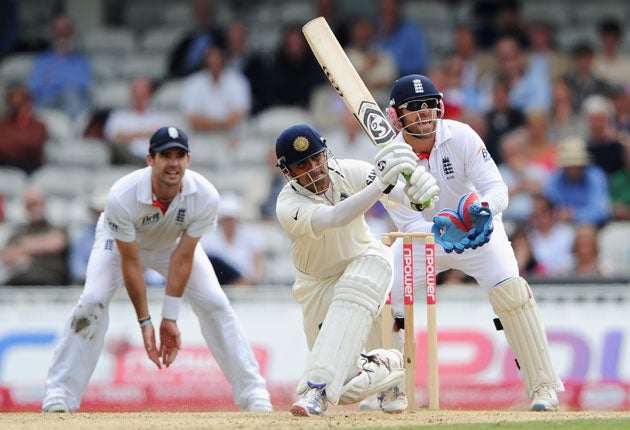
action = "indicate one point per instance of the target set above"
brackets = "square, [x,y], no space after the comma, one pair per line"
[514,303]
[358,296]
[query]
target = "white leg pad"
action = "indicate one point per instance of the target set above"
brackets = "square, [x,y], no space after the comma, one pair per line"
[381,369]
[359,296]
[514,303]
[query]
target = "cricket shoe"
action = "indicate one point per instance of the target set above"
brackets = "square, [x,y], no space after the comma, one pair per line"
[258,404]
[370,403]
[545,399]
[393,400]
[56,404]
[313,401]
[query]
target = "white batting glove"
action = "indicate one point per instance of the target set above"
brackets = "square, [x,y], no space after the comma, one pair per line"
[422,188]
[393,159]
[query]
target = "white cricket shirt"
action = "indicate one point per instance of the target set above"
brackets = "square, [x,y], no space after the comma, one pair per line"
[130,214]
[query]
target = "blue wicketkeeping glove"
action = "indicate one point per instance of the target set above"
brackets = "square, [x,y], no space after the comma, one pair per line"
[477,217]
[450,232]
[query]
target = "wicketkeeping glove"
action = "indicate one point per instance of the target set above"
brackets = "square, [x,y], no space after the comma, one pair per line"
[422,187]
[477,217]
[393,159]
[450,232]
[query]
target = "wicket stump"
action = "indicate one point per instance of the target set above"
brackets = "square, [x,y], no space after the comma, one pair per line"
[408,294]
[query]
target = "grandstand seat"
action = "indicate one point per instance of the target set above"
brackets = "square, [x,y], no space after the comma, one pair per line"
[63,181]
[614,248]
[58,125]
[104,177]
[13,181]
[430,13]
[90,153]
[158,41]
[269,123]
[16,68]
[152,66]
[167,95]
[111,41]
[111,95]
[106,67]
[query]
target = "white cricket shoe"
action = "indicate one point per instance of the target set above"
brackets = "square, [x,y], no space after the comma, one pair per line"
[313,401]
[56,404]
[258,404]
[393,400]
[545,399]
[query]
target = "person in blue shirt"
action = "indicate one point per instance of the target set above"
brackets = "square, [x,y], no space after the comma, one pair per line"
[61,77]
[402,38]
[578,189]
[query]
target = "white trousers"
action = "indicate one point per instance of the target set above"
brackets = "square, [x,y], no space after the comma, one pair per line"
[83,335]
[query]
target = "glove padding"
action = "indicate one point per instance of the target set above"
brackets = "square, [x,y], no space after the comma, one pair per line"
[450,231]
[422,188]
[477,217]
[394,158]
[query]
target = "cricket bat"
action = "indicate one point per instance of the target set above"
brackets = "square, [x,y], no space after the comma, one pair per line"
[346,81]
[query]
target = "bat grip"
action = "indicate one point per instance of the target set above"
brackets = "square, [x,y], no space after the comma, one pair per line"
[418,207]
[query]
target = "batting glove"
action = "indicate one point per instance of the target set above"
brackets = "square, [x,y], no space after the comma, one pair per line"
[393,159]
[422,189]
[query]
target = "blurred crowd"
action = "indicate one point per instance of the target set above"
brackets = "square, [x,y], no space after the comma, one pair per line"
[555,119]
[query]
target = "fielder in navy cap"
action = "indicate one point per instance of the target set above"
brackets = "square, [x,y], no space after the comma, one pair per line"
[168,137]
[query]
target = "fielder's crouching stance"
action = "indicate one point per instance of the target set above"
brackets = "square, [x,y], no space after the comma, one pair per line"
[467,220]
[154,218]
[343,274]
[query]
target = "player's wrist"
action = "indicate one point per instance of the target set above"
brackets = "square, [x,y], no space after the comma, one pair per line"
[144,321]
[170,307]
[383,186]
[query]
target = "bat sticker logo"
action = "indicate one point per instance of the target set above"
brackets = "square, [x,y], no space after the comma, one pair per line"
[375,123]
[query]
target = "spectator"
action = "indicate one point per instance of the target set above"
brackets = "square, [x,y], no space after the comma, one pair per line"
[563,121]
[585,252]
[331,10]
[61,77]
[188,56]
[22,134]
[129,130]
[350,141]
[402,38]
[8,27]
[501,119]
[611,64]
[376,66]
[81,244]
[530,87]
[621,102]
[475,63]
[579,189]
[523,177]
[36,252]
[527,263]
[542,150]
[496,18]
[581,78]
[620,187]
[217,99]
[602,137]
[252,65]
[235,243]
[543,55]
[295,72]
[551,241]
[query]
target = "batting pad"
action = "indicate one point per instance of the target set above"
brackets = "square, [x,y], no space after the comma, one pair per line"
[514,303]
[359,295]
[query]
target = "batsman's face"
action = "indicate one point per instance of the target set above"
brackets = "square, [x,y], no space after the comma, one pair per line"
[170,165]
[312,173]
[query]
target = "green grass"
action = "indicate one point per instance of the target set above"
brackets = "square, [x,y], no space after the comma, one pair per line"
[585,424]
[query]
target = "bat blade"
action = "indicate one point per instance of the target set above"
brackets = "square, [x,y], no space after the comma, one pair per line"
[346,81]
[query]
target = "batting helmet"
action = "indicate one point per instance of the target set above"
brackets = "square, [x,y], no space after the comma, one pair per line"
[412,87]
[298,143]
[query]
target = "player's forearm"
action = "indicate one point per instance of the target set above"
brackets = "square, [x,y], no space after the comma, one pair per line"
[179,270]
[496,194]
[345,211]
[133,276]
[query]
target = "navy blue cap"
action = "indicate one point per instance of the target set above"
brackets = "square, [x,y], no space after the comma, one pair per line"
[298,143]
[168,137]
[412,87]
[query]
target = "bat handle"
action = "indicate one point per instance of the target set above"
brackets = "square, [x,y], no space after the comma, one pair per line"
[418,207]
